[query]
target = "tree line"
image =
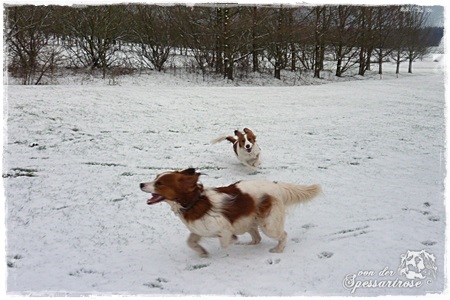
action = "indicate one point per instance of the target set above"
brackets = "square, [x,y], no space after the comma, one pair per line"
[222,39]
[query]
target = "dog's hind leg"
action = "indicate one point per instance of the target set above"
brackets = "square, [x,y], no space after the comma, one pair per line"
[193,243]
[227,239]
[281,244]
[280,236]
[256,237]
[273,224]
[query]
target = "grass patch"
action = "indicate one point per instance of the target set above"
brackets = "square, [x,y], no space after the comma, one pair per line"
[104,164]
[20,172]
[196,267]
[127,174]
[82,271]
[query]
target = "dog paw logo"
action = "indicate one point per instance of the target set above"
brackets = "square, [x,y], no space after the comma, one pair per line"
[418,265]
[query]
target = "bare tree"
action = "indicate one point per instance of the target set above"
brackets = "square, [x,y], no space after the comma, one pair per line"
[343,37]
[30,48]
[322,21]
[96,30]
[196,31]
[416,35]
[152,33]
[399,40]
[238,37]
[365,37]
[279,40]
[259,15]
[226,38]
[384,28]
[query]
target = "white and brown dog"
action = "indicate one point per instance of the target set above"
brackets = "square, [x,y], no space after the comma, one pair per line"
[245,147]
[224,212]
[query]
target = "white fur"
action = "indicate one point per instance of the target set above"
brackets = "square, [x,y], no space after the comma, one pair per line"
[212,224]
[252,159]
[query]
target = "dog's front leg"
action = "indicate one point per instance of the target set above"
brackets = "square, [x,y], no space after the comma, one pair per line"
[193,243]
[256,237]
[257,162]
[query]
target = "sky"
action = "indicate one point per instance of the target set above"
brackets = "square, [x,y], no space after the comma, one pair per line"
[436,17]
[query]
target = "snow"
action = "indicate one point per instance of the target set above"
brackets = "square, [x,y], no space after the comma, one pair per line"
[78,224]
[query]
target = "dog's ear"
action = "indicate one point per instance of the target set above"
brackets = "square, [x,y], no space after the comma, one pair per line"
[190,171]
[238,133]
[189,179]
[246,130]
[249,133]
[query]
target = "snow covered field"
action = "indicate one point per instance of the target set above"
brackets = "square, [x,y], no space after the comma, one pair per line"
[78,224]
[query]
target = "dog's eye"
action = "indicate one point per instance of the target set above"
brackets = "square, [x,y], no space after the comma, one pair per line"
[158,183]
[242,141]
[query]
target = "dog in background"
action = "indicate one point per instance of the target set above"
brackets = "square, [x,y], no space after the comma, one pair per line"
[225,212]
[244,146]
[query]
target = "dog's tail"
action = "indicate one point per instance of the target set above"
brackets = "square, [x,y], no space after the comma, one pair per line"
[223,138]
[296,194]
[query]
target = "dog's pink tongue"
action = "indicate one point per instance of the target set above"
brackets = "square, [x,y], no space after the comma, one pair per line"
[155,199]
[249,150]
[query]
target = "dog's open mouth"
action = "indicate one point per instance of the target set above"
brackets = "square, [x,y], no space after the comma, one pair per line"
[249,150]
[155,199]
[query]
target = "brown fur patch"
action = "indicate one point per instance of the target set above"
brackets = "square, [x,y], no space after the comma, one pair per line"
[265,206]
[250,135]
[240,138]
[239,205]
[200,208]
[231,139]
[235,148]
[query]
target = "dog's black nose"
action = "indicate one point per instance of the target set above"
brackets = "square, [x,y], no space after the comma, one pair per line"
[247,146]
[142,185]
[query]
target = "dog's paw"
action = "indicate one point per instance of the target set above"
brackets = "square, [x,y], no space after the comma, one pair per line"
[234,239]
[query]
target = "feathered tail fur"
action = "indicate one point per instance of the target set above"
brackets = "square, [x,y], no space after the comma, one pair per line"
[223,138]
[296,194]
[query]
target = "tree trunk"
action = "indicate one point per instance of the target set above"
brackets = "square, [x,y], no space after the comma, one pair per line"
[369,57]
[219,42]
[278,52]
[339,67]
[293,58]
[362,62]
[277,73]
[397,69]
[228,59]
[254,44]
[317,50]
[317,62]
[410,64]
[380,63]
[339,61]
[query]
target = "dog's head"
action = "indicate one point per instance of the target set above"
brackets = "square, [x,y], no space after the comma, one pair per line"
[246,140]
[172,186]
